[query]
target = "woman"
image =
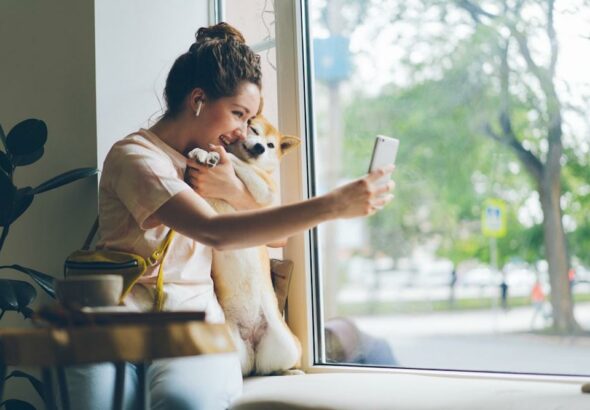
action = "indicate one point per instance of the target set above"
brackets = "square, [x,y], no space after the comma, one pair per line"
[212,92]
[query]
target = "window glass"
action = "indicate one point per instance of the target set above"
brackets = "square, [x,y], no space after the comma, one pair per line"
[482,261]
[256,21]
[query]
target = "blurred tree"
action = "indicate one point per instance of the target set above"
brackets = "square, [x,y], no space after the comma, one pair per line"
[475,105]
[538,81]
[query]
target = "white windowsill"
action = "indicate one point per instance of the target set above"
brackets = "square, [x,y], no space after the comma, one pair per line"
[385,389]
[453,374]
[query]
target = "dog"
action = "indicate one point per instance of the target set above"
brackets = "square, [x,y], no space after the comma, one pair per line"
[242,278]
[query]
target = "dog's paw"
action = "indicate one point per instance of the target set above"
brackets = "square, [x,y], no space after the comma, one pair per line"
[198,154]
[203,157]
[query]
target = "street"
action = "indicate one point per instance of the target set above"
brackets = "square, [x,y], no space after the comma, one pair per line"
[491,340]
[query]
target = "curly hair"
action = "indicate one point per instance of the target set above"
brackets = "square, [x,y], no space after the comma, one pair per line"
[218,62]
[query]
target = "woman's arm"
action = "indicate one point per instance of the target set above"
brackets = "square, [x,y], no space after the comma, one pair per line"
[220,182]
[223,183]
[190,214]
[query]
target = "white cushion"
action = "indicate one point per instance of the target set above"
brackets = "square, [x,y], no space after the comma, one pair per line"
[401,391]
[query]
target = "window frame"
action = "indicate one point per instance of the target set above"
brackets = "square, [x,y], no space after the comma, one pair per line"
[292,65]
[295,99]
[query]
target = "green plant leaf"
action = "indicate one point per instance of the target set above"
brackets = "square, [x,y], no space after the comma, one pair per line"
[15,404]
[8,300]
[7,194]
[3,137]
[27,312]
[22,200]
[65,178]
[45,281]
[25,294]
[16,295]
[26,137]
[28,159]
[36,383]
[5,163]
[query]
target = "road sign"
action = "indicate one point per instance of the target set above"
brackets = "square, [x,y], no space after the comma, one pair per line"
[493,218]
[331,59]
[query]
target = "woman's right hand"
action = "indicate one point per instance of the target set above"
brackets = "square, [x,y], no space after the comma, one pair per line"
[363,197]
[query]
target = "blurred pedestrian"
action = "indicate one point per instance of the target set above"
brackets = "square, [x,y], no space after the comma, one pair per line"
[504,293]
[452,284]
[538,300]
[571,276]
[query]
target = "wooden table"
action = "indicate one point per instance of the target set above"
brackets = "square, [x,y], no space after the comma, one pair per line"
[55,348]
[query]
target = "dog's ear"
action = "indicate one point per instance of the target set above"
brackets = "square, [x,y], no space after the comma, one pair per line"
[289,142]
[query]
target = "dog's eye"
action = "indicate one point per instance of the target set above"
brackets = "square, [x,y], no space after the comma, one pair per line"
[254,130]
[270,145]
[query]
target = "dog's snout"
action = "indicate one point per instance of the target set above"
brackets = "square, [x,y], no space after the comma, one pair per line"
[258,149]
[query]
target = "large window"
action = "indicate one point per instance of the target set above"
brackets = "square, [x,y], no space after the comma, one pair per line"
[256,21]
[482,260]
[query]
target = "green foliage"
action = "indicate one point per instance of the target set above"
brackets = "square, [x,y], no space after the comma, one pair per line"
[36,383]
[16,295]
[24,145]
[447,163]
[443,158]
[44,281]
[576,182]
[15,404]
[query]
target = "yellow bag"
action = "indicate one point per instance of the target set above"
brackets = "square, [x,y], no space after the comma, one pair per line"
[126,264]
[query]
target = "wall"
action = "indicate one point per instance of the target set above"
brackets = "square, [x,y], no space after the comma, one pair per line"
[92,71]
[47,72]
[255,20]
[135,48]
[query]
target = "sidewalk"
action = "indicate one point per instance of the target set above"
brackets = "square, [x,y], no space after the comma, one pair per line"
[472,322]
[482,340]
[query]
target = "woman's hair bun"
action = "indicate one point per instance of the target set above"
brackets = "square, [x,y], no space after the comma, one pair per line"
[218,62]
[221,31]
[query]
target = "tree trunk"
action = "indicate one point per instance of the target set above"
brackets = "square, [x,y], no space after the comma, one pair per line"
[556,254]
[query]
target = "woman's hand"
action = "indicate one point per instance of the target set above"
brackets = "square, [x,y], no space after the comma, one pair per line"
[219,182]
[365,196]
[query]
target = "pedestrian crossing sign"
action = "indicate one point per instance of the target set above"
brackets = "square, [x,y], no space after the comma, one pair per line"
[493,218]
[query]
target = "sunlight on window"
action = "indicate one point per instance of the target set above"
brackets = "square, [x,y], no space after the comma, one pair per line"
[476,264]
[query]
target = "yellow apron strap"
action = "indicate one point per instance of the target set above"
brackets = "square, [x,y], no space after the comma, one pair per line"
[160,250]
[159,301]
[159,255]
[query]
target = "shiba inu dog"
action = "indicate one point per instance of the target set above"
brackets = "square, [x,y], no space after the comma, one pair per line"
[242,277]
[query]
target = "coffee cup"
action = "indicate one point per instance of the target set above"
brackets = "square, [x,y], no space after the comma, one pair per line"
[89,290]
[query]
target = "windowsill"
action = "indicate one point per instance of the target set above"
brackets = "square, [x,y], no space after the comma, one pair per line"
[453,374]
[403,389]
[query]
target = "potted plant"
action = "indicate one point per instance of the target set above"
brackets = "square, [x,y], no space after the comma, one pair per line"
[22,146]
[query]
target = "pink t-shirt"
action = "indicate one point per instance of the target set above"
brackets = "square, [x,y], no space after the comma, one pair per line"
[139,175]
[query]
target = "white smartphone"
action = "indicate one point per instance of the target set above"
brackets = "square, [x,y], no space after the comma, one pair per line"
[384,152]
